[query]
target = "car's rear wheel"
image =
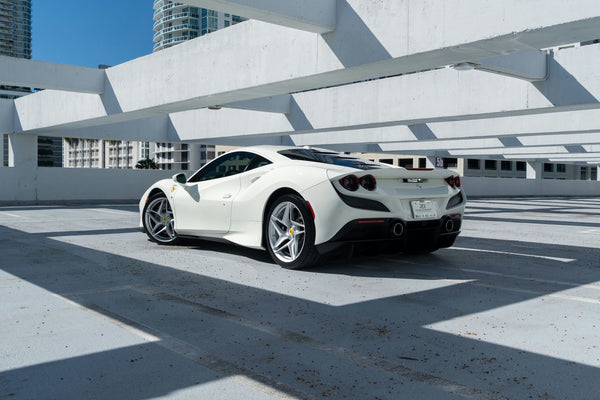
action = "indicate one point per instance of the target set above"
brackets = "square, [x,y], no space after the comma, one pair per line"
[158,220]
[290,233]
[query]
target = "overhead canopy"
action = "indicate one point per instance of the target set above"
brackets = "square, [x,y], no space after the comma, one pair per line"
[357,74]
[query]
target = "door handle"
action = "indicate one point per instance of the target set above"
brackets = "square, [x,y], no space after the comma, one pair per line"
[227,196]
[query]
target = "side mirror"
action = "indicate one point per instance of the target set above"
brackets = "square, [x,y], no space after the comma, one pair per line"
[180,178]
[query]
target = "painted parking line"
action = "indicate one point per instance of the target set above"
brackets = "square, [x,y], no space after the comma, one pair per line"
[594,231]
[565,260]
[10,215]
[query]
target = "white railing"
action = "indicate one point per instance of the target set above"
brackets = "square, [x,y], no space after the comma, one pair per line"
[169,41]
[172,17]
[166,8]
[173,28]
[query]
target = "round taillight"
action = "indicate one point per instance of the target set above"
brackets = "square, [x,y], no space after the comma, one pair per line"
[350,183]
[368,182]
[457,181]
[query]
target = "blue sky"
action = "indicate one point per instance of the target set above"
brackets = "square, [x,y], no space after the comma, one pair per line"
[91,32]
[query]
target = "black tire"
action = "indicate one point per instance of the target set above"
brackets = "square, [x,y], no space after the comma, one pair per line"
[289,232]
[158,220]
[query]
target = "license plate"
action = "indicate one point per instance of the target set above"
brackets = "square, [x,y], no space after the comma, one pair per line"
[423,209]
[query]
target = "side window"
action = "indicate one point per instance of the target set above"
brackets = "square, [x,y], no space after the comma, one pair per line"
[228,165]
[257,162]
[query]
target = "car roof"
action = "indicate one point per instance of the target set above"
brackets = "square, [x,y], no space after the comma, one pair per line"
[273,150]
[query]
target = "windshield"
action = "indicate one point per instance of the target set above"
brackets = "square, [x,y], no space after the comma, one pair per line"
[330,157]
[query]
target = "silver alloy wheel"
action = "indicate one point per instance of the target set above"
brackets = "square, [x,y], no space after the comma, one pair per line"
[286,232]
[159,220]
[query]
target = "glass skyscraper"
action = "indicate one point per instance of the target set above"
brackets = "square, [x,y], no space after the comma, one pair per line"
[15,28]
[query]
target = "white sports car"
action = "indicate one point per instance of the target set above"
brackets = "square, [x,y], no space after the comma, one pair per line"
[300,202]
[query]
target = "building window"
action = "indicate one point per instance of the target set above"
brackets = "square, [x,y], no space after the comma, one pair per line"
[387,161]
[473,164]
[521,166]
[548,167]
[422,162]
[450,163]
[490,165]
[562,168]
[506,165]
[583,173]
[405,162]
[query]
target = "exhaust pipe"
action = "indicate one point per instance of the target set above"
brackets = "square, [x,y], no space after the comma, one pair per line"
[398,229]
[449,225]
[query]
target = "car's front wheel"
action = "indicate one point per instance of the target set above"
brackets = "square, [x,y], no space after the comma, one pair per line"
[290,233]
[158,220]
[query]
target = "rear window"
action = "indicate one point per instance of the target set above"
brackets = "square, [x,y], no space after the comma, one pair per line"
[328,157]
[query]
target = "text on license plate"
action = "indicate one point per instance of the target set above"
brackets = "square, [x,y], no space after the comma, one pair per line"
[423,209]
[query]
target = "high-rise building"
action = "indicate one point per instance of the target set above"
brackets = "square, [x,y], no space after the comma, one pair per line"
[174,23]
[15,28]
[94,153]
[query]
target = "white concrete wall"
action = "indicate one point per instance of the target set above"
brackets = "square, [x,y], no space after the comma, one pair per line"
[514,187]
[59,185]
[78,185]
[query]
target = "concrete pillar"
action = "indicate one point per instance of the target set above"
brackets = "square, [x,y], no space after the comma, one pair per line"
[22,156]
[430,162]
[597,172]
[534,170]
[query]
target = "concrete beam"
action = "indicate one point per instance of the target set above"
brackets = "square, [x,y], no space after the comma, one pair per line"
[318,16]
[493,145]
[532,66]
[425,101]
[263,60]
[499,151]
[538,129]
[564,157]
[276,104]
[47,75]
[154,129]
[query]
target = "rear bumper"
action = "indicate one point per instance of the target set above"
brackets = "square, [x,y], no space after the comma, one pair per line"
[402,235]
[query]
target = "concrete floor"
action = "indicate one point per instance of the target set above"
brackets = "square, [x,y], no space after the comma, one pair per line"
[91,309]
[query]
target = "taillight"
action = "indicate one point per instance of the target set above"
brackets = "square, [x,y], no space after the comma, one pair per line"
[349,182]
[368,182]
[352,182]
[453,181]
[457,181]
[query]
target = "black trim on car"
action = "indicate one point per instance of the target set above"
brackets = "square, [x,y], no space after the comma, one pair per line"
[361,203]
[427,234]
[455,200]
